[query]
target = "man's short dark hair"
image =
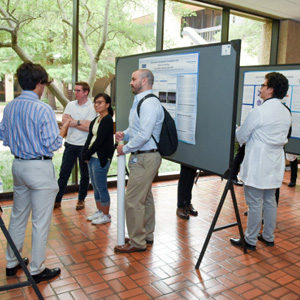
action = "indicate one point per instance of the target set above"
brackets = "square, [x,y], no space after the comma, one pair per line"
[30,74]
[279,83]
[85,86]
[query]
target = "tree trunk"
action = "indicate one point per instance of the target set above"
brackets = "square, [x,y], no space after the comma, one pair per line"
[58,94]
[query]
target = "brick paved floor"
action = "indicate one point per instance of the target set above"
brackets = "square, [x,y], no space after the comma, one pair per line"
[91,269]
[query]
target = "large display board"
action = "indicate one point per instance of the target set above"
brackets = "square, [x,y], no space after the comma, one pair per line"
[198,86]
[250,80]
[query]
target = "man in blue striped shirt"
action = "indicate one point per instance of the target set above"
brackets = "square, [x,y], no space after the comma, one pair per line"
[30,129]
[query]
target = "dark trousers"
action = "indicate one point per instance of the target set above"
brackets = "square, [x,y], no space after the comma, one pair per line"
[294,169]
[185,186]
[70,155]
[238,159]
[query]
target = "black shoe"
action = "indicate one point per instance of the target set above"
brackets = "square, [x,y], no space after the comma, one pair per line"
[235,181]
[191,210]
[292,184]
[181,213]
[13,271]
[238,242]
[260,238]
[47,274]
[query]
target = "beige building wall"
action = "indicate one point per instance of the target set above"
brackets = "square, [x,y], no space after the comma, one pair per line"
[289,42]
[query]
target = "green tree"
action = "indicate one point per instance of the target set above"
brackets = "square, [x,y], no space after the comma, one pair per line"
[249,31]
[41,31]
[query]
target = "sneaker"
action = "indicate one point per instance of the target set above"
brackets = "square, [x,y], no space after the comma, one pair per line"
[95,215]
[102,220]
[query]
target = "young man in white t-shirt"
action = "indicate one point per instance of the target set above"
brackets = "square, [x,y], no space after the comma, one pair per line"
[79,112]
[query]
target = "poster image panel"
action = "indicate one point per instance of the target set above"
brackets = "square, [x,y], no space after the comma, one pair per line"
[253,81]
[176,85]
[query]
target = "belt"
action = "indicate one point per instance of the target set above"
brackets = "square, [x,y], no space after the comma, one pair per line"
[146,151]
[35,158]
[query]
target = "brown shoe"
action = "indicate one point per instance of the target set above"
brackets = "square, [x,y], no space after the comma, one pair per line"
[57,205]
[191,210]
[127,248]
[80,205]
[127,239]
[181,213]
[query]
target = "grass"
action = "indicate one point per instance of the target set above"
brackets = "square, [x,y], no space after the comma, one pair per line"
[7,159]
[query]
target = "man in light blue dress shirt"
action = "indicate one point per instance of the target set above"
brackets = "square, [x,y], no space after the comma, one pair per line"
[30,129]
[144,162]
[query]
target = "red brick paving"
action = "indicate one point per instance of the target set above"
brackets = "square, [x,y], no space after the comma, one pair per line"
[91,269]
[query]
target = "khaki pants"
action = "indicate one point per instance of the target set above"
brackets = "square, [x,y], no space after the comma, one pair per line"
[35,188]
[139,204]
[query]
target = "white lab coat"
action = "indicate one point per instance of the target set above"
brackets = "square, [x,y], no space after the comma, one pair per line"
[264,132]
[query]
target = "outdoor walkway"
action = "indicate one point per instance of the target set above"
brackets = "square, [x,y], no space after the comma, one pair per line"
[91,269]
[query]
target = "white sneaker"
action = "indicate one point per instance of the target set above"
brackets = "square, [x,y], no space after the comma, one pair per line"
[102,220]
[95,215]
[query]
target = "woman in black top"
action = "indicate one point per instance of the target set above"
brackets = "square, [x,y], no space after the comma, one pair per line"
[97,152]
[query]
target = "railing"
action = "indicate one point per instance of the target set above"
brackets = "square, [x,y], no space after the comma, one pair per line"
[209,33]
[202,36]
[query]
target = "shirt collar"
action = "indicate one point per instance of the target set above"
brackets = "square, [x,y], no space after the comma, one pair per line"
[85,104]
[271,98]
[31,93]
[140,96]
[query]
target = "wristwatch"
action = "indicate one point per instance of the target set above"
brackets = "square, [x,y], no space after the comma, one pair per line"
[78,122]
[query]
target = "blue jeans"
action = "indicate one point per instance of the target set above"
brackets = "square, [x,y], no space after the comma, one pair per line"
[68,162]
[99,181]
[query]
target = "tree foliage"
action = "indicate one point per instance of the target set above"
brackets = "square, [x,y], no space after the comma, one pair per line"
[41,31]
[249,31]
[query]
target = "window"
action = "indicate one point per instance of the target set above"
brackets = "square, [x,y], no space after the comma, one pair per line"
[256,38]
[191,24]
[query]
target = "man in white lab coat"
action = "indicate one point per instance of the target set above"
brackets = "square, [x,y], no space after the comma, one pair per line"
[264,133]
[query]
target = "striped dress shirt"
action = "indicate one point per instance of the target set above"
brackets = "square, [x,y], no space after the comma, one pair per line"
[29,127]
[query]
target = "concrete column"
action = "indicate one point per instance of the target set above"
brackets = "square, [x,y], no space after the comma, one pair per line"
[264,50]
[9,87]
[289,42]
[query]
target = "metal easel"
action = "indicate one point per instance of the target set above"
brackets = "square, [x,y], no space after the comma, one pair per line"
[228,187]
[30,280]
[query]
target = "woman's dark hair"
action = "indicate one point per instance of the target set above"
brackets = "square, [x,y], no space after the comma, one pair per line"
[30,74]
[279,83]
[107,101]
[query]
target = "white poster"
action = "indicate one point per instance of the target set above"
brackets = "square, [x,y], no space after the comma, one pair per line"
[176,85]
[251,95]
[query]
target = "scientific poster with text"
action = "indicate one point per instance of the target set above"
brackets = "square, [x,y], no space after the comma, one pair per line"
[251,95]
[176,85]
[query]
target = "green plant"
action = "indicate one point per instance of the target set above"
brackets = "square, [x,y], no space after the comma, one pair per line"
[7,159]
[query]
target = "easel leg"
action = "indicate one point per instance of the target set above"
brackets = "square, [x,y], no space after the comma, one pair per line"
[239,223]
[21,262]
[212,226]
[229,186]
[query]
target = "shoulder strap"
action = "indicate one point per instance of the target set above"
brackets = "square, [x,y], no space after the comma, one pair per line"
[141,102]
[139,107]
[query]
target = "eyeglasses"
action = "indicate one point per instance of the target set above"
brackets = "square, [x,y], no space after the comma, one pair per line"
[97,102]
[78,91]
[263,85]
